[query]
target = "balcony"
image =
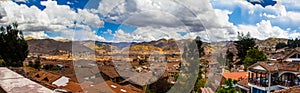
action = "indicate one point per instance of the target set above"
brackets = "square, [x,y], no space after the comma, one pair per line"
[261,80]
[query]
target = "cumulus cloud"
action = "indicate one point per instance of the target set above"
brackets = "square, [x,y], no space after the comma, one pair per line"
[264,30]
[39,34]
[21,0]
[149,34]
[156,15]
[55,18]
[263,22]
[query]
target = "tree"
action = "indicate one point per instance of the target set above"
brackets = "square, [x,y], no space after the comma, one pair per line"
[229,59]
[281,45]
[293,43]
[228,88]
[243,44]
[254,55]
[199,45]
[37,63]
[30,64]
[13,47]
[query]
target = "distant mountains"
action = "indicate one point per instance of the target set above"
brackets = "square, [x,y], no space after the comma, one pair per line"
[50,46]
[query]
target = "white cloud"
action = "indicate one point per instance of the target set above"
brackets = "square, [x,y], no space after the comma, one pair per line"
[55,18]
[21,0]
[272,19]
[264,30]
[39,34]
[149,34]
[153,16]
[291,4]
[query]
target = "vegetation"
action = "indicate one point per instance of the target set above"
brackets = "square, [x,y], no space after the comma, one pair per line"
[160,86]
[229,59]
[13,47]
[228,87]
[2,63]
[199,46]
[37,63]
[281,45]
[201,81]
[51,67]
[144,48]
[254,55]
[293,43]
[244,43]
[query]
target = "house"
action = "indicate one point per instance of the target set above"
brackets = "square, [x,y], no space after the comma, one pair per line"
[55,82]
[238,76]
[45,77]
[235,75]
[271,76]
[266,77]
[12,82]
[109,73]
[243,86]
[295,89]
[107,87]
[293,56]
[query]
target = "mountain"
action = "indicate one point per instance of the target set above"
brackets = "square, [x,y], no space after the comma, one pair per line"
[50,46]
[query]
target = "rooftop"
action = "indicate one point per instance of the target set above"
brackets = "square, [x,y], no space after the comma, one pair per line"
[235,75]
[14,83]
[295,89]
[244,83]
[264,67]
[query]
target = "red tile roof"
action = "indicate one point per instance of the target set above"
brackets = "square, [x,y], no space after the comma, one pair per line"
[244,83]
[107,87]
[235,75]
[276,66]
[295,89]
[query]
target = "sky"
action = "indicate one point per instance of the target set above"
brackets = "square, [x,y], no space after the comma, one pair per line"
[148,20]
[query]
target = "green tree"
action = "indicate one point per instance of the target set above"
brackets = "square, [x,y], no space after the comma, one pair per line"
[37,63]
[244,43]
[254,55]
[13,47]
[1,63]
[281,45]
[200,46]
[229,59]
[202,68]
[293,43]
[228,87]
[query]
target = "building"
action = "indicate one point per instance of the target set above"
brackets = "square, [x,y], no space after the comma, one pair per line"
[281,74]
[235,75]
[271,76]
[55,82]
[243,86]
[108,87]
[12,82]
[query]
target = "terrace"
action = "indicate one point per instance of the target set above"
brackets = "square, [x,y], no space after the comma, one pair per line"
[269,76]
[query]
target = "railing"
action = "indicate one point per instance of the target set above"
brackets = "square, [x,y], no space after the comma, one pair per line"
[287,83]
[264,83]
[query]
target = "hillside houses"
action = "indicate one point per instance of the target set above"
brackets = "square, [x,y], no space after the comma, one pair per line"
[271,76]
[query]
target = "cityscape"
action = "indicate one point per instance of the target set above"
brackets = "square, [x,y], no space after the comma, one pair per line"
[149,46]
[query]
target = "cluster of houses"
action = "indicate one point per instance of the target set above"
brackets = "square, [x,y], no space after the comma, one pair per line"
[279,75]
[104,75]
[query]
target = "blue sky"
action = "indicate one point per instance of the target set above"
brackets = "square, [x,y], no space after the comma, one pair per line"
[133,21]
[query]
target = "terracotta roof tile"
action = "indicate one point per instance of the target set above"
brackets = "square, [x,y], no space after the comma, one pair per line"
[244,83]
[235,75]
[44,76]
[295,89]
[276,66]
[73,87]
[107,87]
